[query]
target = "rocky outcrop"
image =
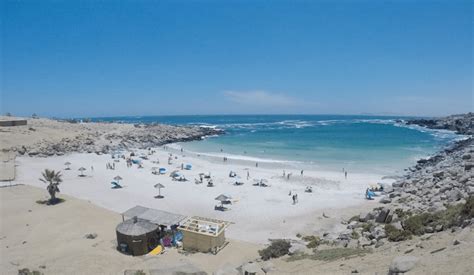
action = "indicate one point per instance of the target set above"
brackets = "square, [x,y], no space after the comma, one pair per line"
[461,124]
[107,140]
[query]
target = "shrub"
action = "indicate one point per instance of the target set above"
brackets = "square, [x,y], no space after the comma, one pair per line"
[468,209]
[416,223]
[402,214]
[366,227]
[396,235]
[333,254]
[355,235]
[276,249]
[313,241]
[26,271]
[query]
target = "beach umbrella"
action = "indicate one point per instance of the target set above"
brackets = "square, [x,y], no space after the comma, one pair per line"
[159,186]
[118,178]
[67,164]
[82,169]
[222,198]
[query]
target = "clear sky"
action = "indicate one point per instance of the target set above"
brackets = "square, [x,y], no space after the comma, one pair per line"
[106,58]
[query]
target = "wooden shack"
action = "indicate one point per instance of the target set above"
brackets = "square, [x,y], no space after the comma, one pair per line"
[203,234]
[137,236]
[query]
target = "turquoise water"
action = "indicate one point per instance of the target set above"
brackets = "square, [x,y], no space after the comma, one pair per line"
[368,143]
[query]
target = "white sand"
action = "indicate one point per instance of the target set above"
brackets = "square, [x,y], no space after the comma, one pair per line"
[259,213]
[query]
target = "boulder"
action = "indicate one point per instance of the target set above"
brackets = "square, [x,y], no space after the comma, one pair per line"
[397,184]
[385,200]
[297,247]
[226,269]
[251,268]
[429,229]
[402,264]
[268,267]
[387,188]
[454,195]
[381,218]
[439,228]
[366,216]
[468,166]
[438,174]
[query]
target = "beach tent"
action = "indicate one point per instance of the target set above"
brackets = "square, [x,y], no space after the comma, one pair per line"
[162,170]
[188,166]
[67,165]
[137,236]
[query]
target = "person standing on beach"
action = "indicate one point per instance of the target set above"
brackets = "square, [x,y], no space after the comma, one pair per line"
[345,174]
[256,164]
[302,172]
[294,199]
[248,174]
[283,173]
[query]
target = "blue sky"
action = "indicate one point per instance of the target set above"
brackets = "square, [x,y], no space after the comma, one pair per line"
[106,58]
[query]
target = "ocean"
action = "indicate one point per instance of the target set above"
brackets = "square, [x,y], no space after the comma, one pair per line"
[376,144]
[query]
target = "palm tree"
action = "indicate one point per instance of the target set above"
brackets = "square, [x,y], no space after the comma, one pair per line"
[53,179]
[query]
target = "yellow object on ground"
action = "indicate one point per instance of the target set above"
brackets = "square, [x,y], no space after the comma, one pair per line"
[156,251]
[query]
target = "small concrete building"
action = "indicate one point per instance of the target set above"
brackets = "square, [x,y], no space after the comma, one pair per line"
[203,234]
[12,122]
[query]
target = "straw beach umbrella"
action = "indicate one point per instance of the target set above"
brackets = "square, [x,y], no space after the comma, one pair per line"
[67,165]
[223,198]
[118,179]
[82,169]
[159,186]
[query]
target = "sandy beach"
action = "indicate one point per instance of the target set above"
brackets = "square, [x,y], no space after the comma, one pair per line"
[51,240]
[267,212]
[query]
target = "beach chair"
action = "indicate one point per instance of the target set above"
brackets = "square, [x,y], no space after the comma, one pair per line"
[116,185]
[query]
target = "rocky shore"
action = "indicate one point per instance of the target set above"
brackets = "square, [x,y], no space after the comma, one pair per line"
[435,195]
[46,137]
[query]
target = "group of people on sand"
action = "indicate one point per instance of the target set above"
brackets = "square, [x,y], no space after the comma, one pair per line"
[294,197]
[110,166]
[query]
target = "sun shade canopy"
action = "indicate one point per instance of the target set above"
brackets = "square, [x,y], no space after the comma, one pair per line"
[154,215]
